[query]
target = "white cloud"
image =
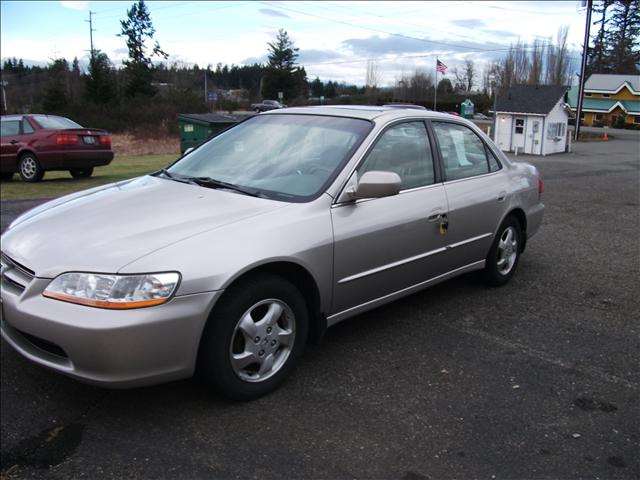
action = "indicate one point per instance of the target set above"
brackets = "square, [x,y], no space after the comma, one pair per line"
[75,4]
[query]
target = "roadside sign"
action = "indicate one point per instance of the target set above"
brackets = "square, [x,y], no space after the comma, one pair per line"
[280,95]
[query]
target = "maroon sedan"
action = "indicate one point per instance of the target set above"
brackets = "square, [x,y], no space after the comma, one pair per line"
[32,144]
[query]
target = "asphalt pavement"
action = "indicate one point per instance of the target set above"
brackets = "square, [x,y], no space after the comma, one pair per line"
[538,379]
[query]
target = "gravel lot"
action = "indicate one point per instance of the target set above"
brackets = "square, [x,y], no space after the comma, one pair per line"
[538,379]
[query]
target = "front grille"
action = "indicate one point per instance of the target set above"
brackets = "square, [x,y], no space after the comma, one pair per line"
[14,274]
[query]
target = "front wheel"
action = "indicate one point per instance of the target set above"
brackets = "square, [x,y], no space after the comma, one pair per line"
[503,257]
[253,337]
[29,168]
[257,110]
[81,172]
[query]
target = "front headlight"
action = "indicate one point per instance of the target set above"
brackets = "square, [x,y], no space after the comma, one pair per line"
[113,291]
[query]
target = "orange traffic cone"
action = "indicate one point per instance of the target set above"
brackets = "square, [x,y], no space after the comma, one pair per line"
[605,137]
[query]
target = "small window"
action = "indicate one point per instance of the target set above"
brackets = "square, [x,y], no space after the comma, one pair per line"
[587,94]
[599,116]
[519,125]
[463,153]
[405,150]
[26,127]
[556,131]
[606,95]
[494,164]
[188,127]
[636,119]
[10,127]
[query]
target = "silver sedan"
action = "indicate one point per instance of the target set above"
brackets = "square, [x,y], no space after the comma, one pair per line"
[232,258]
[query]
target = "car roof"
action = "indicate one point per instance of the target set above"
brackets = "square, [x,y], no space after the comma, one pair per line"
[365,112]
[11,117]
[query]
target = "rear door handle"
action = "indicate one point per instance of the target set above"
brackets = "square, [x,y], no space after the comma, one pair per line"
[502,195]
[438,217]
[13,142]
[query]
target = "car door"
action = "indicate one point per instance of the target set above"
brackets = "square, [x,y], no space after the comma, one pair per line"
[9,143]
[385,245]
[476,190]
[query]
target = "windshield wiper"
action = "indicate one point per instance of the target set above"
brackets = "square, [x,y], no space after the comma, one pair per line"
[213,183]
[173,177]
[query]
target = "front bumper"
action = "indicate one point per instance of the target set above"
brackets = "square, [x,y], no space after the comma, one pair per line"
[109,348]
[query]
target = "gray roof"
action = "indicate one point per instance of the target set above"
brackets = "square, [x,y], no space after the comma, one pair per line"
[599,82]
[539,99]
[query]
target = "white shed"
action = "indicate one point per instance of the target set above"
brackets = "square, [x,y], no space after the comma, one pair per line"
[533,119]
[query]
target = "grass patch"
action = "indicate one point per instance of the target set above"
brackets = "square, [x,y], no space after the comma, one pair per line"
[56,184]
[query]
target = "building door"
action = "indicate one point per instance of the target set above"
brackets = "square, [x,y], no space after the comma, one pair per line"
[533,135]
[519,125]
[503,132]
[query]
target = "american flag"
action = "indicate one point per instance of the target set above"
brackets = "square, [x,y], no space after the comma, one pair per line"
[441,67]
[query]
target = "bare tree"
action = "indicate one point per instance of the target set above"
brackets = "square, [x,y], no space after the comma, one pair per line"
[465,76]
[537,55]
[373,78]
[558,64]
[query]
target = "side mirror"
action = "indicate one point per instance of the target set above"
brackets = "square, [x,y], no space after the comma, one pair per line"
[187,151]
[375,184]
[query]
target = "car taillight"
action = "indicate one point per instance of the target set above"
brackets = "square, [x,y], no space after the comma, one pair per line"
[539,186]
[66,139]
[105,140]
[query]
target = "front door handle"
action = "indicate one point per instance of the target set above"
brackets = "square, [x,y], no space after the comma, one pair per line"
[437,217]
[502,195]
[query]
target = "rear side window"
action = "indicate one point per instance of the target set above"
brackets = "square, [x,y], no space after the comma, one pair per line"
[54,123]
[10,127]
[463,153]
[405,150]
[26,127]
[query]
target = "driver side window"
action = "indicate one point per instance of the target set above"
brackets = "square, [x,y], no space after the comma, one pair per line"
[405,150]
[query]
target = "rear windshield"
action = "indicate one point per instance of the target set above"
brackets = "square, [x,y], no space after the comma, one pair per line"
[53,122]
[285,156]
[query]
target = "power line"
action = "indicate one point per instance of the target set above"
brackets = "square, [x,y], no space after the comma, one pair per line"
[468,48]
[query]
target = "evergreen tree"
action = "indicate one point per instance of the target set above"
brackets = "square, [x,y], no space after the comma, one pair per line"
[598,57]
[282,74]
[624,36]
[100,80]
[55,95]
[138,29]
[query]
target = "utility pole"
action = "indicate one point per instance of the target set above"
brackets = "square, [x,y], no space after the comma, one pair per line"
[585,51]
[206,97]
[91,30]
[4,96]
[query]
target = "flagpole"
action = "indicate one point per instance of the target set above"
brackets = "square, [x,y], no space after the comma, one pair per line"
[435,89]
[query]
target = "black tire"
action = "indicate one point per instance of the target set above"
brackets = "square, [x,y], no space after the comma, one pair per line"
[223,337]
[81,172]
[257,110]
[29,168]
[6,177]
[502,261]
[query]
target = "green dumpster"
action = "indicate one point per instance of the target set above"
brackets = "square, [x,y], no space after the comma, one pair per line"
[195,128]
[466,109]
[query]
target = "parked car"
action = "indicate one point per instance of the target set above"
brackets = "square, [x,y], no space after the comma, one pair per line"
[267,105]
[33,144]
[228,261]
[455,114]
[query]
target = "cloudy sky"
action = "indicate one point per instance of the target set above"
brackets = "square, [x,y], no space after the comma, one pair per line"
[335,38]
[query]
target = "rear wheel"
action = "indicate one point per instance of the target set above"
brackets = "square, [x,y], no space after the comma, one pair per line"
[81,172]
[503,257]
[253,337]
[6,177]
[29,168]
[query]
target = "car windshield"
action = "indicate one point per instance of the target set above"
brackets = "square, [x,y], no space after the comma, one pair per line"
[53,122]
[285,156]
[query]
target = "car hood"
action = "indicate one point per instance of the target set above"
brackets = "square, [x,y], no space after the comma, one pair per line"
[104,229]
